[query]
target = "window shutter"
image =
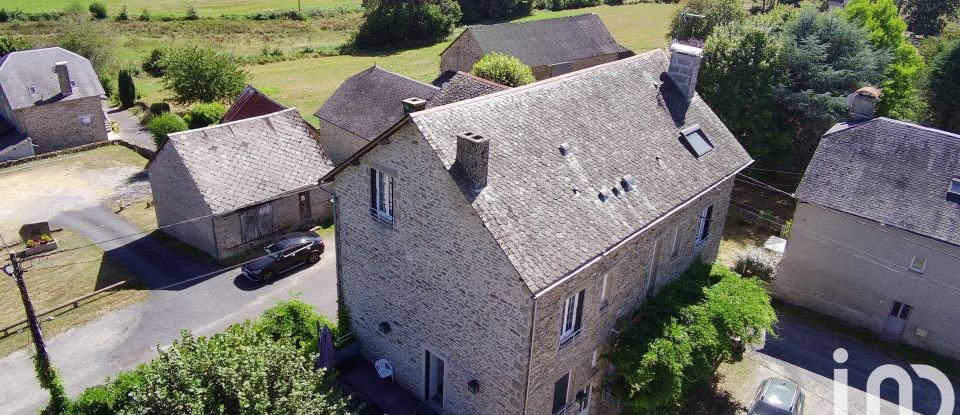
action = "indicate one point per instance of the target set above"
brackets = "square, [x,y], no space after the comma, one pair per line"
[579,321]
[390,195]
[560,393]
[373,188]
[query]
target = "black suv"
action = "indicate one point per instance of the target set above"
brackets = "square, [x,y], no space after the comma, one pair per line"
[286,252]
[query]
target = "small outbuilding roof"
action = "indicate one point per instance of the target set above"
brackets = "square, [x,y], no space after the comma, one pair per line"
[457,86]
[548,41]
[27,77]
[888,171]
[246,162]
[369,103]
[251,103]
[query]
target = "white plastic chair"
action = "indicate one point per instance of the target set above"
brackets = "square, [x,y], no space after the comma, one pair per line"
[384,369]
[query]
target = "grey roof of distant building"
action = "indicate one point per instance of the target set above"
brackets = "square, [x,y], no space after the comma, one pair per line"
[617,122]
[368,103]
[888,171]
[246,162]
[457,86]
[548,41]
[20,70]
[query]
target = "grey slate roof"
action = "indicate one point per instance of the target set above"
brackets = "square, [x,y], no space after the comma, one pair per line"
[242,163]
[20,70]
[888,171]
[617,123]
[548,41]
[457,86]
[9,136]
[368,103]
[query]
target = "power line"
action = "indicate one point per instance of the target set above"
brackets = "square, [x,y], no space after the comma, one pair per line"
[776,171]
[123,237]
[755,182]
[110,256]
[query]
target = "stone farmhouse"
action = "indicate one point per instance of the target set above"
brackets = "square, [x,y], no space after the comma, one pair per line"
[487,247]
[231,187]
[50,99]
[876,234]
[372,101]
[550,47]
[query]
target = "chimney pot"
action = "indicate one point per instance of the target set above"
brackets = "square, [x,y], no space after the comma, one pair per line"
[685,67]
[413,105]
[863,103]
[63,74]
[473,155]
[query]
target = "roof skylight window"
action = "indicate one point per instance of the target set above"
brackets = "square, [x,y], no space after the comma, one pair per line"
[955,186]
[695,140]
[33,89]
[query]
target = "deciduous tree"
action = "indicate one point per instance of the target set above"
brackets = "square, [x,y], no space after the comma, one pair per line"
[943,90]
[201,75]
[715,13]
[391,23]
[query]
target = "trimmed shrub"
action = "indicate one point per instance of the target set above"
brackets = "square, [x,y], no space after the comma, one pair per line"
[127,90]
[98,10]
[757,262]
[154,64]
[503,69]
[159,108]
[202,115]
[166,123]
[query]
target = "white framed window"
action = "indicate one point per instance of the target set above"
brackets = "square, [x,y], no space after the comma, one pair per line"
[675,249]
[917,264]
[603,291]
[381,196]
[593,359]
[572,317]
[86,120]
[703,227]
[33,89]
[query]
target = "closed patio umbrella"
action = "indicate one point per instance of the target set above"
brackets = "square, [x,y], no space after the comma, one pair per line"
[325,359]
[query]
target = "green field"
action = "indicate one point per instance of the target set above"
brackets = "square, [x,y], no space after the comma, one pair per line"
[205,8]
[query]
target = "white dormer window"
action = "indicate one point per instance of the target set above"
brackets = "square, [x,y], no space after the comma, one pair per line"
[381,196]
[33,89]
[917,264]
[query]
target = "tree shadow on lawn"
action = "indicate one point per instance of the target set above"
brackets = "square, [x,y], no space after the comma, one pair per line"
[711,399]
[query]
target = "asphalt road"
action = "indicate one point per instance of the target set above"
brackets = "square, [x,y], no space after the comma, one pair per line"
[804,354]
[121,340]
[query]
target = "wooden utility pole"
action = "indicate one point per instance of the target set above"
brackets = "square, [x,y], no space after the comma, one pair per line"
[43,359]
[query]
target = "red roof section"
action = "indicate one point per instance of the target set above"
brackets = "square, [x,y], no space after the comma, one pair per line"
[251,103]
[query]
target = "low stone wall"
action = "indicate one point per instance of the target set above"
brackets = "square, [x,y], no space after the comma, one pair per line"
[78,149]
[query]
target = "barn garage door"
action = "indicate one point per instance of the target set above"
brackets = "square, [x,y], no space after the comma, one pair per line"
[256,223]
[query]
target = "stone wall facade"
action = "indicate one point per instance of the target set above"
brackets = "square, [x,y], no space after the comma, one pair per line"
[338,144]
[176,201]
[461,54]
[854,269]
[628,270]
[286,218]
[57,125]
[436,277]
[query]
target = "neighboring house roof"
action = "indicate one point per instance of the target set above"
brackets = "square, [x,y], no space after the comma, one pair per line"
[368,103]
[457,86]
[542,207]
[888,171]
[251,103]
[548,41]
[246,162]
[9,136]
[34,68]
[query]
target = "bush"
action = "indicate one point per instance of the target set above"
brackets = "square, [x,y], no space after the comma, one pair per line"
[108,398]
[202,115]
[5,16]
[192,13]
[159,108]
[757,262]
[107,81]
[406,23]
[503,69]
[13,44]
[98,10]
[126,88]
[201,75]
[123,16]
[162,125]
[144,16]
[296,321]
[154,64]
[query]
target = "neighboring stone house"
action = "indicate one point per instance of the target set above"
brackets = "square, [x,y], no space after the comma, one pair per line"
[487,247]
[876,234]
[52,98]
[231,187]
[372,101]
[251,103]
[550,47]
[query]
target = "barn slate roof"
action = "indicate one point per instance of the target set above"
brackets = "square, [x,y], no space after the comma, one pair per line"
[251,103]
[548,41]
[620,118]
[888,171]
[246,162]
[457,86]
[368,103]
[20,70]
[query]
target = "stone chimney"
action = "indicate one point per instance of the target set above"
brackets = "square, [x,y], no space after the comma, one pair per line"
[863,103]
[413,105]
[473,154]
[60,68]
[684,67]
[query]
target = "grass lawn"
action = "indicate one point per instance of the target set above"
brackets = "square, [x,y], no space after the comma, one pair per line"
[205,8]
[62,277]
[739,236]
